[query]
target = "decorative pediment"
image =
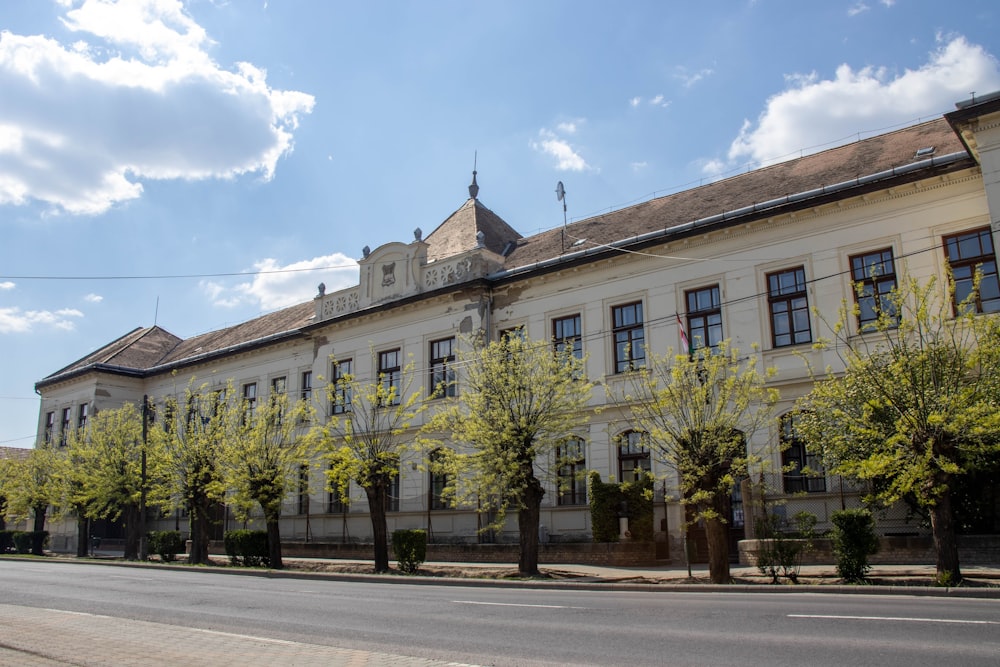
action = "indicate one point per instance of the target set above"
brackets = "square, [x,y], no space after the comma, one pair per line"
[391,272]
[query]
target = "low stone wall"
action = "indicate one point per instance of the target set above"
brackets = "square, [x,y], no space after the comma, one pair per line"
[623,554]
[910,550]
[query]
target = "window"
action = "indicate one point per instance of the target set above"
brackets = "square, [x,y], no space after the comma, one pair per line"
[67,416]
[340,401]
[571,473]
[278,386]
[307,386]
[392,490]
[786,298]
[438,482]
[50,426]
[442,374]
[970,252]
[704,317]
[303,495]
[249,401]
[81,416]
[633,456]
[630,341]
[335,504]
[567,333]
[802,471]
[389,372]
[874,276]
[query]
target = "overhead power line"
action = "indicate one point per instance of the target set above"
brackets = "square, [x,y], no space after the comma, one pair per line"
[184,275]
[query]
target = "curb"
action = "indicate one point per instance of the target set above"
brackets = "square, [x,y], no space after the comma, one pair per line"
[988,592]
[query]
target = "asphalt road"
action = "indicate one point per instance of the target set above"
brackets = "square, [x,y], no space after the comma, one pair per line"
[499,625]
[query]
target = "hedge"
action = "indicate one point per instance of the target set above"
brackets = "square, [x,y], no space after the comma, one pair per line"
[247,547]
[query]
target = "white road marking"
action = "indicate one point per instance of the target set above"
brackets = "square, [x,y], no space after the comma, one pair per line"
[895,618]
[512,604]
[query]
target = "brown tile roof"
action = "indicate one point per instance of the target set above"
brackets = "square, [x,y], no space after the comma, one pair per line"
[831,167]
[138,349]
[457,234]
[281,321]
[16,453]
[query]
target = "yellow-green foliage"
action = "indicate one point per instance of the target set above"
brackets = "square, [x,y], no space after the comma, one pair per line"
[700,411]
[918,402]
[519,400]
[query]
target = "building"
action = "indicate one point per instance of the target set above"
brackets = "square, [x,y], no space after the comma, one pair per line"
[750,258]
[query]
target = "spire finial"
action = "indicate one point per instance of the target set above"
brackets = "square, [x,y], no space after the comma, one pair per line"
[474,187]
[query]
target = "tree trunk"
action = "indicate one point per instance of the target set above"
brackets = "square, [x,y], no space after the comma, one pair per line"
[82,535]
[274,541]
[717,534]
[200,528]
[945,540]
[131,516]
[36,543]
[528,521]
[376,493]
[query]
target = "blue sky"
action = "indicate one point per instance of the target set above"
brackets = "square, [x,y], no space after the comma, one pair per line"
[142,140]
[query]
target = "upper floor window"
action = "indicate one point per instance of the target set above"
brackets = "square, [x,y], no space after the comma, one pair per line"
[249,400]
[67,420]
[803,471]
[789,306]
[874,277]
[50,425]
[442,374]
[278,386]
[81,416]
[341,397]
[704,317]
[572,472]
[307,386]
[389,375]
[633,456]
[568,334]
[629,336]
[967,253]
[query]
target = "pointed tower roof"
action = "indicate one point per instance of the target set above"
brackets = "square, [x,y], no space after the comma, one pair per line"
[460,231]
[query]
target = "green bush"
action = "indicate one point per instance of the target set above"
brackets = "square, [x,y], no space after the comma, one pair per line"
[410,547]
[22,541]
[166,543]
[247,547]
[854,540]
[608,499]
[6,541]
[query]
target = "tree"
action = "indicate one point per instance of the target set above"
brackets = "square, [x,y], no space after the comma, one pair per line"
[520,401]
[194,434]
[915,408]
[260,457]
[699,412]
[364,438]
[33,487]
[108,456]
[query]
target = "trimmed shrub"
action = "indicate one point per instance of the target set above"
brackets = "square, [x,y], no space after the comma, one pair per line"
[247,548]
[6,541]
[166,543]
[22,541]
[608,500]
[410,547]
[781,551]
[854,540]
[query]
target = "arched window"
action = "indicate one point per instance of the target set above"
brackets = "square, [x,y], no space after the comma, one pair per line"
[571,460]
[633,456]
[803,471]
[438,482]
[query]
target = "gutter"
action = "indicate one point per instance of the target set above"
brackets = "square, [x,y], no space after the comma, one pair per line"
[676,230]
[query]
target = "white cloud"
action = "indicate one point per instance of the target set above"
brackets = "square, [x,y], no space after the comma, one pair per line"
[639,166]
[635,101]
[93,298]
[139,98]
[857,8]
[7,285]
[276,286]
[688,79]
[568,127]
[814,113]
[15,320]
[567,159]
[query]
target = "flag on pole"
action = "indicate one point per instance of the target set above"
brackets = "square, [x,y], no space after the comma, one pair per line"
[684,337]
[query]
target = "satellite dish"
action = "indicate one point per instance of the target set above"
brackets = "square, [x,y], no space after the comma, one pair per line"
[560,191]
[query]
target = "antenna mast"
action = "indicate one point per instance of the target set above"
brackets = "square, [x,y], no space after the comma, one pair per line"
[561,196]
